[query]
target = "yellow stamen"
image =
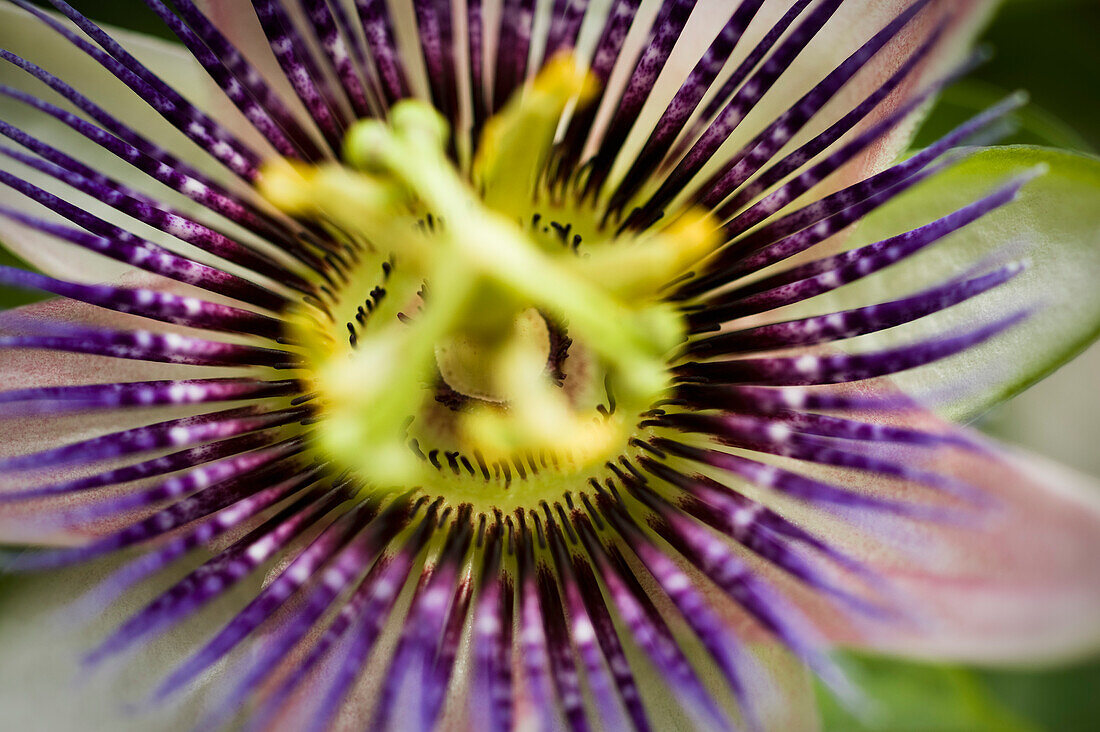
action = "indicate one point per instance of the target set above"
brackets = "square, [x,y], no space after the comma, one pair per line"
[515,144]
[481,328]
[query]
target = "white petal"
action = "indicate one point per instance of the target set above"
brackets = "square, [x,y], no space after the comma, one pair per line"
[28,37]
[1057,417]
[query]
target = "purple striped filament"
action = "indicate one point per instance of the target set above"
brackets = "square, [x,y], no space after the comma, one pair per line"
[360,424]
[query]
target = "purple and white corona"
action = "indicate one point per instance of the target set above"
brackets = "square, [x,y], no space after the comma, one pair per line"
[538,364]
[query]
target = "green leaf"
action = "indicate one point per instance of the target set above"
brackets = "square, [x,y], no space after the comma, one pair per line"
[1054,224]
[1049,48]
[1034,124]
[131,16]
[908,696]
[11,297]
[1059,699]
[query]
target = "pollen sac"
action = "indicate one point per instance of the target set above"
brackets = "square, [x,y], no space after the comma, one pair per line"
[497,390]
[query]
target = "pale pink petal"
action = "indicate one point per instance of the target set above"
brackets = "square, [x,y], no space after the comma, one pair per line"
[852,24]
[857,21]
[1016,582]
[1022,585]
[30,522]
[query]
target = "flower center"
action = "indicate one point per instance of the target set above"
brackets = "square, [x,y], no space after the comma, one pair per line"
[482,332]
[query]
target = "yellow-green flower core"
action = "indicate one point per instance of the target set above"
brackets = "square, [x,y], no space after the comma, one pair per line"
[489,326]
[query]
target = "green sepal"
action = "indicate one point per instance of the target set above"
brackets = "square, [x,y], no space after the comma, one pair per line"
[1054,226]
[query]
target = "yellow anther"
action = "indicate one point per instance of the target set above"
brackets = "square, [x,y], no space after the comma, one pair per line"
[565,77]
[637,270]
[288,185]
[692,236]
[538,415]
[516,143]
[373,210]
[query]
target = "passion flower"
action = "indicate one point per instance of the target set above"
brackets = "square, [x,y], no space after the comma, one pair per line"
[508,396]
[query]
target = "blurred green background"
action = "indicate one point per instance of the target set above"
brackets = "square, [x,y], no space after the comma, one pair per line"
[1051,48]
